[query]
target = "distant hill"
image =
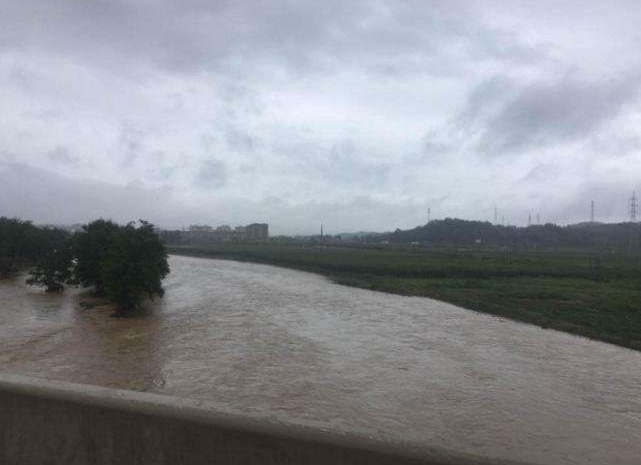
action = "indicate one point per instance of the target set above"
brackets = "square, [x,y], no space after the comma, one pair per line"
[452,231]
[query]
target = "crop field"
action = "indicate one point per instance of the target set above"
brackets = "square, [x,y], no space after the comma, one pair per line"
[597,295]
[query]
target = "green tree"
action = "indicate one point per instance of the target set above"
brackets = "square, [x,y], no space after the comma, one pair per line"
[134,266]
[91,246]
[21,243]
[54,269]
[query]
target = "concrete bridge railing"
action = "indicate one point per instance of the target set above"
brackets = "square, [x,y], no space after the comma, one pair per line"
[51,422]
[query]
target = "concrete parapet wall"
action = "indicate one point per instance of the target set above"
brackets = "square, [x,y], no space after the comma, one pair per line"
[50,422]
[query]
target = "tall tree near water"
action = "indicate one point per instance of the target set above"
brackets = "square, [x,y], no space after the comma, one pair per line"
[91,246]
[134,266]
[20,242]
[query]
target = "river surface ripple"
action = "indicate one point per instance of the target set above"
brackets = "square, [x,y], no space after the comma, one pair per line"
[292,346]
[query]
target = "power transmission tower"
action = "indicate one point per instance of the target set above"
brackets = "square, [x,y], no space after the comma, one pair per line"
[538,219]
[592,212]
[429,215]
[496,215]
[321,236]
[529,219]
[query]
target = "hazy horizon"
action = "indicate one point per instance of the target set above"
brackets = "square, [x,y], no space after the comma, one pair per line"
[358,115]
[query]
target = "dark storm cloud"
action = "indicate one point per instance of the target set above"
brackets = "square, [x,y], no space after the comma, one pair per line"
[392,38]
[512,119]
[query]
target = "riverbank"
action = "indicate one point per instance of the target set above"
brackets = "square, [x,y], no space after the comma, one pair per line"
[595,297]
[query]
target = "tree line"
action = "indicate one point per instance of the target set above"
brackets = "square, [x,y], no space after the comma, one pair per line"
[615,237]
[124,263]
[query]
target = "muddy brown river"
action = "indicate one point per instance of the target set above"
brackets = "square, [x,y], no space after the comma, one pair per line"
[292,346]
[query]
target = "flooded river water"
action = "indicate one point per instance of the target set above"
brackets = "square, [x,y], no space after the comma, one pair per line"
[293,346]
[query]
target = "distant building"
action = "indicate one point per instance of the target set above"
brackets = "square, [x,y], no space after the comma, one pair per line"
[198,234]
[204,234]
[257,232]
[240,233]
[199,228]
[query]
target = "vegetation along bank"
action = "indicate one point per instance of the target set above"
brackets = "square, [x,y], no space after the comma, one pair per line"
[123,263]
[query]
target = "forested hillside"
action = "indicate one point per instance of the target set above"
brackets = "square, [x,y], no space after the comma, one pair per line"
[619,237]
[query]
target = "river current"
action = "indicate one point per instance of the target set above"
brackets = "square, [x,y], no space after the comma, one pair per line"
[295,347]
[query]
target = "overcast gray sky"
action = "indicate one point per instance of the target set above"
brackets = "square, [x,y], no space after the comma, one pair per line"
[357,114]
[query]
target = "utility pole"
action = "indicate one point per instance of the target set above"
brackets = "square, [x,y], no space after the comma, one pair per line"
[593,260]
[633,220]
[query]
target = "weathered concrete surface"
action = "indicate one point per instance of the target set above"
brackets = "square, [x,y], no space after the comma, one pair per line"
[52,422]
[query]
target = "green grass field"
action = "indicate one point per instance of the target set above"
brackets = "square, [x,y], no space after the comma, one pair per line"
[573,291]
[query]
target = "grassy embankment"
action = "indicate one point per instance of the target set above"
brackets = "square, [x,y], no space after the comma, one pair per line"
[566,290]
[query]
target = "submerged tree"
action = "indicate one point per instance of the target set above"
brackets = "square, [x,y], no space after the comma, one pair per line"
[134,266]
[54,269]
[91,246]
[125,263]
[20,243]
